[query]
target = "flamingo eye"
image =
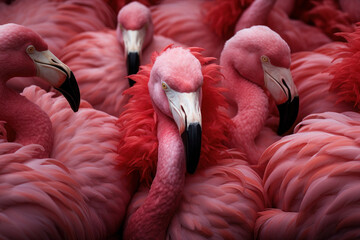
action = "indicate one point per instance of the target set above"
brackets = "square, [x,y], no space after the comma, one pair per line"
[264,58]
[30,49]
[164,86]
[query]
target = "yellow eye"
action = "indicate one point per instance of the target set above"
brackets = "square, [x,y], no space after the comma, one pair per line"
[164,86]
[30,49]
[264,58]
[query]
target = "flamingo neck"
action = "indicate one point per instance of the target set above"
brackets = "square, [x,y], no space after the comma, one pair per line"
[26,122]
[250,108]
[256,14]
[151,220]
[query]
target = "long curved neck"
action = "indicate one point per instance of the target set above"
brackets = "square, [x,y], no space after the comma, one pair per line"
[250,109]
[256,14]
[150,221]
[30,125]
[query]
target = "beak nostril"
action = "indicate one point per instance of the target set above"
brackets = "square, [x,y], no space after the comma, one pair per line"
[182,109]
[54,61]
[288,89]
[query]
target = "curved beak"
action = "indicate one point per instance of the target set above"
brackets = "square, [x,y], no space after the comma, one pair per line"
[133,64]
[133,42]
[282,88]
[59,75]
[185,108]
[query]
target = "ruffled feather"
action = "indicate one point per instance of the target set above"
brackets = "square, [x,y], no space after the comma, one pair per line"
[346,72]
[138,147]
[222,15]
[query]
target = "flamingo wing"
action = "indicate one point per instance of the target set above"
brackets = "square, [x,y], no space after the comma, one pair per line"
[85,150]
[311,177]
[220,202]
[99,65]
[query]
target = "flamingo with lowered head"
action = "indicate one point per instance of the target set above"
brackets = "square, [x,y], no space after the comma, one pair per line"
[173,135]
[254,61]
[101,60]
[56,22]
[56,182]
[312,176]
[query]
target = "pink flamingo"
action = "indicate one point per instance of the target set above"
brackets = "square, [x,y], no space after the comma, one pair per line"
[254,61]
[174,110]
[56,182]
[56,22]
[101,60]
[311,176]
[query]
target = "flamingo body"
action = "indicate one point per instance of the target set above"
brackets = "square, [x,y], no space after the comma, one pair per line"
[311,178]
[74,193]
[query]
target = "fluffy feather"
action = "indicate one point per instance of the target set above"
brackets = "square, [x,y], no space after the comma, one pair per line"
[312,178]
[224,24]
[346,73]
[327,16]
[138,146]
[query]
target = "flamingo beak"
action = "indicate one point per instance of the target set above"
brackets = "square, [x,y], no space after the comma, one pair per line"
[282,88]
[133,42]
[59,75]
[185,108]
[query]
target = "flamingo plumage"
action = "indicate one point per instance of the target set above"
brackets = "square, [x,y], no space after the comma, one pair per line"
[222,197]
[56,22]
[292,31]
[184,22]
[311,180]
[99,59]
[326,77]
[56,181]
[118,4]
[326,15]
[203,23]
[351,7]
[255,62]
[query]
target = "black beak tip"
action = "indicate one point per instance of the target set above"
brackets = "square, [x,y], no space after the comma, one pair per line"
[288,113]
[192,141]
[133,64]
[71,92]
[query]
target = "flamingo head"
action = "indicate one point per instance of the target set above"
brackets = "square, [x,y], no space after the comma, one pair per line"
[134,32]
[25,54]
[261,56]
[175,89]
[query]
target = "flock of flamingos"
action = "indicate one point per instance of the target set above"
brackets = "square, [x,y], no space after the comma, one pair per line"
[179,119]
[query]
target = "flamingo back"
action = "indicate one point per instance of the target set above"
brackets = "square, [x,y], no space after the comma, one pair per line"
[85,148]
[312,178]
